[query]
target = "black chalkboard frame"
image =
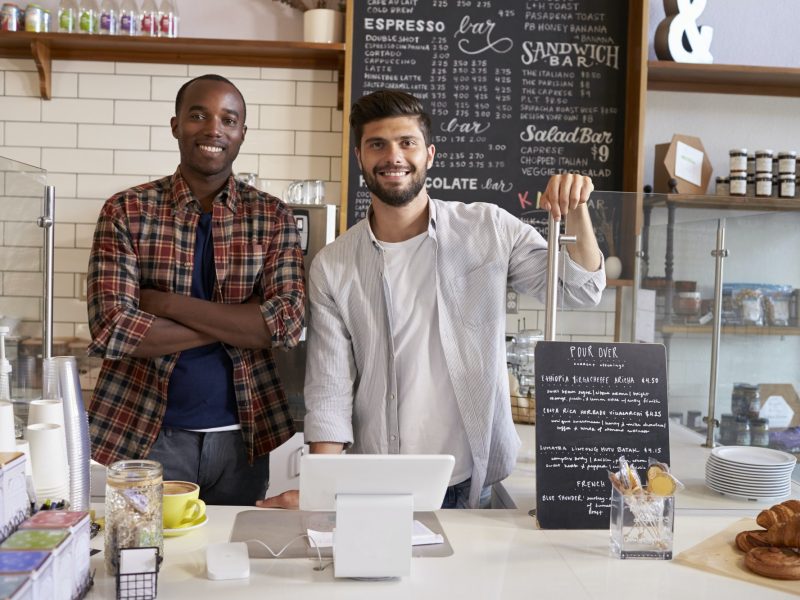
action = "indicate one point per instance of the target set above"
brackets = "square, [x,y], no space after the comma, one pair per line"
[571,394]
[630,217]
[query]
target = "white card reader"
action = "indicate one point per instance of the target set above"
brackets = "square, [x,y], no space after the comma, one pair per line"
[227,560]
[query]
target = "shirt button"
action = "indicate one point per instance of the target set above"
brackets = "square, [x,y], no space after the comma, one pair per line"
[391,396]
[393,438]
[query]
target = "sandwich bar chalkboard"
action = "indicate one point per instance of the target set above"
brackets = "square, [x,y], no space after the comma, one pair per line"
[595,402]
[517,91]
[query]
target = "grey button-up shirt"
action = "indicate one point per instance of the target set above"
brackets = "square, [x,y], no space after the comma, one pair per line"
[351,382]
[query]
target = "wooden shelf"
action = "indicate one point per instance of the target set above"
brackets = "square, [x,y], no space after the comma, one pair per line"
[731,329]
[723,202]
[723,79]
[43,48]
[617,283]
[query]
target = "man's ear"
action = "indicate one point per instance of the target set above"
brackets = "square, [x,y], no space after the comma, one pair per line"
[431,154]
[173,124]
[244,131]
[358,157]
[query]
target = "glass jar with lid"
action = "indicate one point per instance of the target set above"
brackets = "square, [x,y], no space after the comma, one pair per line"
[133,509]
[742,397]
[687,304]
[787,162]
[737,185]
[763,185]
[738,159]
[742,430]
[759,432]
[764,161]
[786,185]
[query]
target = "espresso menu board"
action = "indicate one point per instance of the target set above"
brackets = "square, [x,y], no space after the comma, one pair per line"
[518,91]
[595,402]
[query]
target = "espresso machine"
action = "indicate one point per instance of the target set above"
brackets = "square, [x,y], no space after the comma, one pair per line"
[317,225]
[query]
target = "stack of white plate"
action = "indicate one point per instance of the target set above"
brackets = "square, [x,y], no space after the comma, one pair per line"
[750,473]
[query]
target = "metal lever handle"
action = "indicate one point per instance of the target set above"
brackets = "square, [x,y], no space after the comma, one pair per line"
[554,243]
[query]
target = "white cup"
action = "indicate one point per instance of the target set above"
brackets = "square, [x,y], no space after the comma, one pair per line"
[7,434]
[48,459]
[46,410]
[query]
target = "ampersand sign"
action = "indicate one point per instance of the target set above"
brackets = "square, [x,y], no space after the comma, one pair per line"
[679,38]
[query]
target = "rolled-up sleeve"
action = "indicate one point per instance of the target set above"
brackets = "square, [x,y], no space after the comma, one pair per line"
[116,324]
[330,367]
[282,283]
[527,269]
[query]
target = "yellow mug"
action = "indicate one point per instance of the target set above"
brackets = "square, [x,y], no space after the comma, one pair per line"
[182,506]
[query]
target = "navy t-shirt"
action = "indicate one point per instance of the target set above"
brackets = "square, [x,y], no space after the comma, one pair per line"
[201,392]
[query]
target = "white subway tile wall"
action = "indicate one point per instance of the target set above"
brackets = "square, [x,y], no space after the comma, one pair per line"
[107,128]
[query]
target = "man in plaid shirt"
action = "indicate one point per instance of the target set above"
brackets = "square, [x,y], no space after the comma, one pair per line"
[193,280]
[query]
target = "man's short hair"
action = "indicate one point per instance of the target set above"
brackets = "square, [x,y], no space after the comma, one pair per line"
[383,104]
[207,77]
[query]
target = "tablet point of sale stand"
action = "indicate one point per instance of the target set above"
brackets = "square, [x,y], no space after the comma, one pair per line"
[374,496]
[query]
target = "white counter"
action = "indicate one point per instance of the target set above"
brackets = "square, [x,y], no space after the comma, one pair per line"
[497,554]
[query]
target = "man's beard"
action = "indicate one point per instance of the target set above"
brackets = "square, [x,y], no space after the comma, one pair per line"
[397,196]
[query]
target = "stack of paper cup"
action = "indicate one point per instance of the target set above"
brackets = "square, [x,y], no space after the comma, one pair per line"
[8,441]
[48,410]
[48,461]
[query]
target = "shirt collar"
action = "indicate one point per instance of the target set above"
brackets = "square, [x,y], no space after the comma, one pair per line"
[184,197]
[431,223]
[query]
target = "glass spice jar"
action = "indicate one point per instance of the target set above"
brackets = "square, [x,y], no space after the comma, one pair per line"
[764,185]
[738,183]
[738,159]
[759,432]
[742,431]
[787,162]
[764,161]
[133,509]
[752,396]
[786,185]
[687,304]
[741,398]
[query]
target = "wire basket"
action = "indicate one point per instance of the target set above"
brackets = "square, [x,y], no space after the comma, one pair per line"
[138,584]
[523,410]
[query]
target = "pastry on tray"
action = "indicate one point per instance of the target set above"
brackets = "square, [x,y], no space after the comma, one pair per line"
[775,550]
[780,513]
[754,538]
[777,563]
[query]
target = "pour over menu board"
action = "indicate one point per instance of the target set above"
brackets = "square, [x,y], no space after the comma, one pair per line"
[595,402]
[517,91]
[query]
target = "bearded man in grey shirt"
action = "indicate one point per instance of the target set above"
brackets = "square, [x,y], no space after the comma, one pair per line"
[406,339]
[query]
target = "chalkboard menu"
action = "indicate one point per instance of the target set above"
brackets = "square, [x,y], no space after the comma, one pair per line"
[518,91]
[595,402]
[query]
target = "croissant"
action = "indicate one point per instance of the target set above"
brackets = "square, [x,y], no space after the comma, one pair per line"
[786,534]
[779,513]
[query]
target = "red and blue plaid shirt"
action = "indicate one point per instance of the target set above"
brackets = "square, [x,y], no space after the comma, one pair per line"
[145,238]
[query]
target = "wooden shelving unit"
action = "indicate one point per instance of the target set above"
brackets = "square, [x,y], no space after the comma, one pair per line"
[44,48]
[723,202]
[723,79]
[730,329]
